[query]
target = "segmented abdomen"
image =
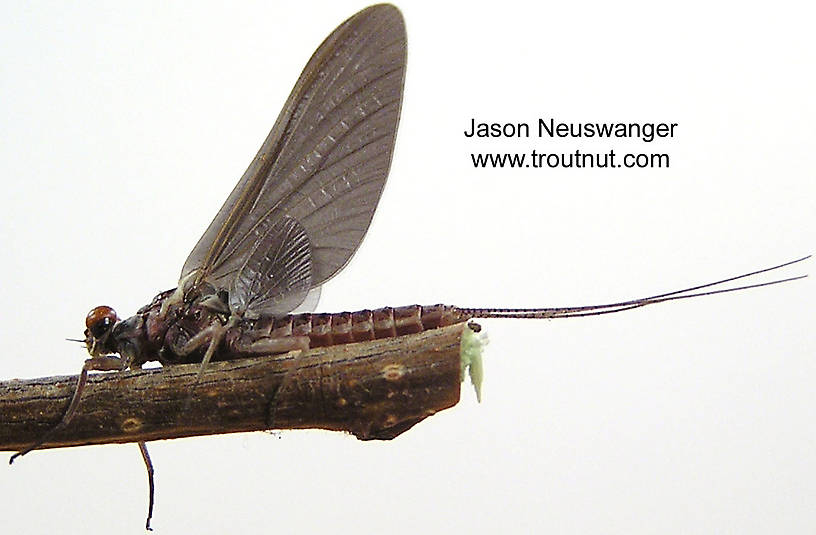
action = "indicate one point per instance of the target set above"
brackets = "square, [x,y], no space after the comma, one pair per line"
[346,327]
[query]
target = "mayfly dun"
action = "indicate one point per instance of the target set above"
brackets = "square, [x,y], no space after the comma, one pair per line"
[293,221]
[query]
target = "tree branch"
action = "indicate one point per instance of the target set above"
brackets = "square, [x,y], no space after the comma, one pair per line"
[374,390]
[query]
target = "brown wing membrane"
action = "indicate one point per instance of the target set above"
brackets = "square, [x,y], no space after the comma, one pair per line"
[277,274]
[325,161]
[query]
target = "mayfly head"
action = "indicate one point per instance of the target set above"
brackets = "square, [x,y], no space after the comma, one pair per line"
[99,325]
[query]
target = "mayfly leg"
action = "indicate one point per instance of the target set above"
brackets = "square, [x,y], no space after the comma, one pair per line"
[150,483]
[213,336]
[106,363]
[288,347]
[288,377]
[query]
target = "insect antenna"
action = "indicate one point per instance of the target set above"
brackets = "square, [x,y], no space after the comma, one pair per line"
[610,308]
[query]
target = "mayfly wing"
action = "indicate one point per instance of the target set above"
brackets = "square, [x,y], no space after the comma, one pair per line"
[310,303]
[277,274]
[324,163]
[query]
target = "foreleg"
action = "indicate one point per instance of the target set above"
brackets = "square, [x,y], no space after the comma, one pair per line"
[106,363]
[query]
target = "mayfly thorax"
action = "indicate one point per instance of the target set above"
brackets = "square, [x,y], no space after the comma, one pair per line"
[293,221]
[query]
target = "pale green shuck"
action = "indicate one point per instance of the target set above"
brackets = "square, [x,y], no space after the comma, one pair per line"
[470,352]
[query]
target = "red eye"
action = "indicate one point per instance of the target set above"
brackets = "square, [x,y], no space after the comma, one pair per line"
[100,320]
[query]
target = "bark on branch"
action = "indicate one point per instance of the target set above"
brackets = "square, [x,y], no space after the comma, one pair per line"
[374,390]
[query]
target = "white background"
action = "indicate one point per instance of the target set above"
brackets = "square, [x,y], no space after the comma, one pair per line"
[124,128]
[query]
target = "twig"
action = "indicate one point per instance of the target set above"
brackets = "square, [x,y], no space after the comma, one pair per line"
[374,390]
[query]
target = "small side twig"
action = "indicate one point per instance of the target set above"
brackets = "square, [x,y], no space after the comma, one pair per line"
[374,390]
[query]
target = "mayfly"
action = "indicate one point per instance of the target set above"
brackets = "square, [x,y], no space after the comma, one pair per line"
[293,221]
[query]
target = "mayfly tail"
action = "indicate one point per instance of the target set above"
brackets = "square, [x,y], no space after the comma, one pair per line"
[597,310]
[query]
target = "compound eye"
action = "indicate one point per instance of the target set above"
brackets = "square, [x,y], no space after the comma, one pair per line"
[100,320]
